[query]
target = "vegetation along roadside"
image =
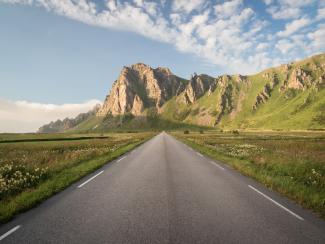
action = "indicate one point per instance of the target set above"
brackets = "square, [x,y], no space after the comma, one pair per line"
[31,172]
[291,163]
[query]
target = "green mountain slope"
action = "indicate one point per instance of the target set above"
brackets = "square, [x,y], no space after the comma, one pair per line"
[286,97]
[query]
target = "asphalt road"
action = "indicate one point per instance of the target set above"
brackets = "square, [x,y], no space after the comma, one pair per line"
[164,192]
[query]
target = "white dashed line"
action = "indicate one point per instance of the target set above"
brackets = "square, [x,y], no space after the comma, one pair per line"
[121,159]
[215,164]
[9,232]
[90,179]
[199,154]
[276,203]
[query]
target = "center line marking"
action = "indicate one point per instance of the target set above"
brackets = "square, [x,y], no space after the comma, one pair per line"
[9,232]
[276,203]
[90,179]
[121,159]
[215,164]
[199,154]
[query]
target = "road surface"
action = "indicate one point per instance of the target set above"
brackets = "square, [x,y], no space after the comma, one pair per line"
[164,192]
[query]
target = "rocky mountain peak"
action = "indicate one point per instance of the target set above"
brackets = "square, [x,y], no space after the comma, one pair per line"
[197,87]
[141,86]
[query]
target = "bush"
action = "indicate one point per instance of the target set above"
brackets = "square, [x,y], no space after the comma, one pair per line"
[235,132]
[15,178]
[201,132]
[186,132]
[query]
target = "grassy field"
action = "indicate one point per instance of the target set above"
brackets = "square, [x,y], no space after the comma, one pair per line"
[31,170]
[290,163]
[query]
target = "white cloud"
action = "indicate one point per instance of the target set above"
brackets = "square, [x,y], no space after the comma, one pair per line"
[317,39]
[23,116]
[288,9]
[285,12]
[320,14]
[228,34]
[293,27]
[228,9]
[261,46]
[296,3]
[187,6]
[267,2]
[285,46]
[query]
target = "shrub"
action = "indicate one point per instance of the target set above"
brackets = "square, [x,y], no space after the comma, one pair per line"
[201,132]
[14,178]
[186,132]
[235,132]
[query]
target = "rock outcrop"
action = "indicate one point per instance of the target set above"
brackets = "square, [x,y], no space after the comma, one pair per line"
[299,79]
[197,87]
[139,87]
[265,94]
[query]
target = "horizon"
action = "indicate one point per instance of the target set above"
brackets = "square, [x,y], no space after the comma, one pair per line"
[60,59]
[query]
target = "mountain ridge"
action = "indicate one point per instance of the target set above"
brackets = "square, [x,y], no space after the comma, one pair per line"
[289,96]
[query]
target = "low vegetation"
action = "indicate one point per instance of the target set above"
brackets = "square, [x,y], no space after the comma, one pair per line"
[290,163]
[31,171]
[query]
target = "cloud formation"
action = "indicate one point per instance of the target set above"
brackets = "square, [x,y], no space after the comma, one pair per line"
[229,34]
[23,116]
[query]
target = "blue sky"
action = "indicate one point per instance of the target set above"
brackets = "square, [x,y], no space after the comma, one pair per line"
[69,52]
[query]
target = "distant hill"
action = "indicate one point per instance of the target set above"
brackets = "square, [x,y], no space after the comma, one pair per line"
[291,96]
[68,123]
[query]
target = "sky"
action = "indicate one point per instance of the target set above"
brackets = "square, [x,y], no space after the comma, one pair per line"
[60,57]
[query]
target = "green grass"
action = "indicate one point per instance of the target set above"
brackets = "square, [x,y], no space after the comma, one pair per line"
[63,163]
[290,163]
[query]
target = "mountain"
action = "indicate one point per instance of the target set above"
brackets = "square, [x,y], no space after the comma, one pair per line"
[68,123]
[140,87]
[291,96]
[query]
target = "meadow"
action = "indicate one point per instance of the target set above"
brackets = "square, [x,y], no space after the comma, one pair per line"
[290,163]
[34,167]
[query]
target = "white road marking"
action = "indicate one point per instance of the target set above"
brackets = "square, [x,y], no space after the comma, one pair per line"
[9,232]
[199,154]
[121,159]
[276,203]
[215,164]
[90,179]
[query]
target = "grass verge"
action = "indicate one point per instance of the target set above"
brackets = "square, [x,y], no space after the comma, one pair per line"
[28,199]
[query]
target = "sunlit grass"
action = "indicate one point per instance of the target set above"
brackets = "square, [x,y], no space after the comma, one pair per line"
[293,164]
[30,172]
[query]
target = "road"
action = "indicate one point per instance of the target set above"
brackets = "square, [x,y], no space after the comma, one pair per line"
[164,192]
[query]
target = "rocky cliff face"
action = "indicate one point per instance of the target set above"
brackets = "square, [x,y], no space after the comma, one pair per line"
[197,87]
[139,87]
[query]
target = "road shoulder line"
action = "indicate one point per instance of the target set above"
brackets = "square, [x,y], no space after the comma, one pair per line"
[9,232]
[81,185]
[215,164]
[276,203]
[121,159]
